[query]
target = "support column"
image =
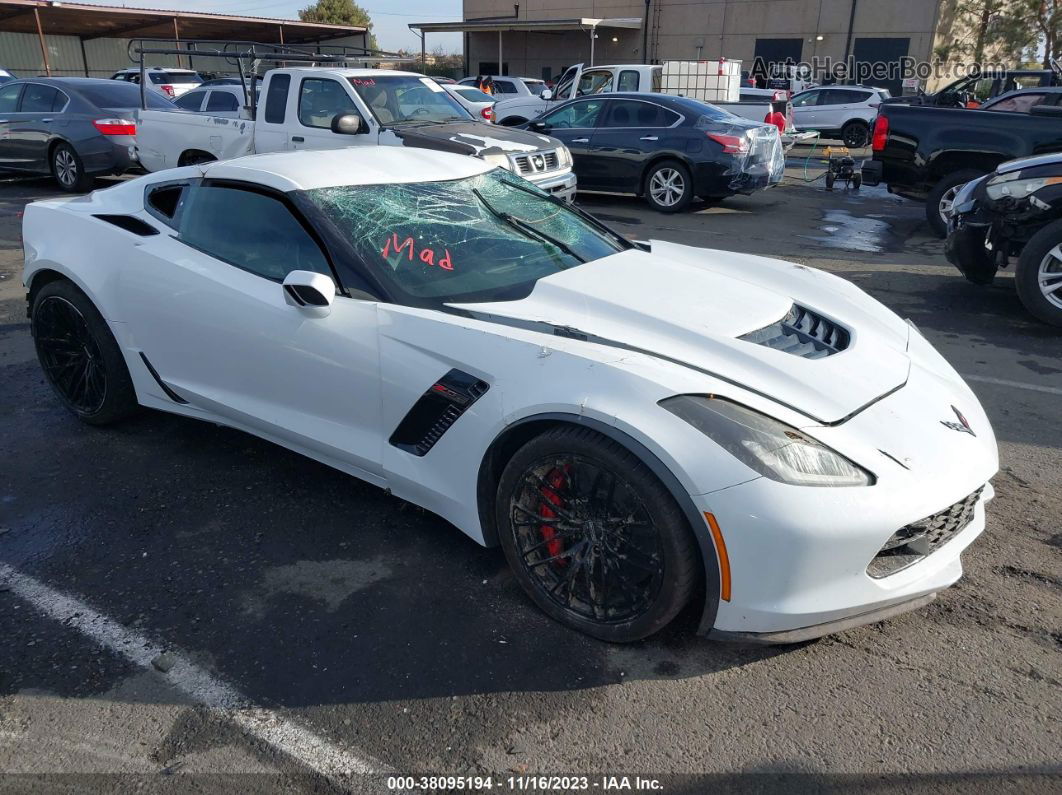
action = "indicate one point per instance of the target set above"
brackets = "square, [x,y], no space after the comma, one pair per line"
[84,57]
[177,38]
[500,61]
[40,36]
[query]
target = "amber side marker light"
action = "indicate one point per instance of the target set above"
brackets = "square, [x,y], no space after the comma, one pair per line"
[724,560]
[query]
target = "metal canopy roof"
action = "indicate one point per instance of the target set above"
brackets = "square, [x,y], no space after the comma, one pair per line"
[98,22]
[533,25]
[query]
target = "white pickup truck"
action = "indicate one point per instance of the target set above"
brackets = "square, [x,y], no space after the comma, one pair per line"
[580,80]
[332,108]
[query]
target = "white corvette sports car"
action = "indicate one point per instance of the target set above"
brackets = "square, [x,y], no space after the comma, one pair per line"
[637,425]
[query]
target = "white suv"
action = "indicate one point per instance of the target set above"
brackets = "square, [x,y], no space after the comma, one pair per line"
[844,112]
[171,83]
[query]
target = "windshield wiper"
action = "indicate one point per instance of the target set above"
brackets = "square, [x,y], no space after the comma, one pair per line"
[571,208]
[526,228]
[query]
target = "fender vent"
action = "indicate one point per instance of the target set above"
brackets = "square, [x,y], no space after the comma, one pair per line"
[802,333]
[436,411]
[162,384]
[130,224]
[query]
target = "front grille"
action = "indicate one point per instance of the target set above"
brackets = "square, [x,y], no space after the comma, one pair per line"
[802,333]
[536,162]
[910,544]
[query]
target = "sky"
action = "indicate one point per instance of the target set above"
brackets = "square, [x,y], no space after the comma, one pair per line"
[389,19]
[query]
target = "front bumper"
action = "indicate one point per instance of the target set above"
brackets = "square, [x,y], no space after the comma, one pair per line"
[800,557]
[560,185]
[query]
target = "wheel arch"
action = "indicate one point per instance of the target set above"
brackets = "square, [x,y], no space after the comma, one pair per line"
[200,155]
[515,435]
[947,163]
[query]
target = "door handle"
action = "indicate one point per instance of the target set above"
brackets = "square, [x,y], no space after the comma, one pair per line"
[580,140]
[45,121]
[648,138]
[297,139]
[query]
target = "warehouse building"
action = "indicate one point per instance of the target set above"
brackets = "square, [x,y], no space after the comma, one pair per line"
[538,38]
[48,37]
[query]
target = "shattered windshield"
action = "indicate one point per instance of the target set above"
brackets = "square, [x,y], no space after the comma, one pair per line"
[407,99]
[484,238]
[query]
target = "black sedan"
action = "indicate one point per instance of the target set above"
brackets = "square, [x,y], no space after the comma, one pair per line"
[73,128]
[667,149]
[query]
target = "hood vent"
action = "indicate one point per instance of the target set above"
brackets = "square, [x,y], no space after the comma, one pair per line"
[802,333]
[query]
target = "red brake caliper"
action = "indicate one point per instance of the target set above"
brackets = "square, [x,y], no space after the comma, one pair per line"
[554,545]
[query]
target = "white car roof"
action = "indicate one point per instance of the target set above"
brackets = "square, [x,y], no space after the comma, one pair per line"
[345,72]
[357,165]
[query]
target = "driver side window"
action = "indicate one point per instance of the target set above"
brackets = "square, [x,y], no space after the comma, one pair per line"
[320,100]
[806,99]
[251,230]
[577,115]
[596,82]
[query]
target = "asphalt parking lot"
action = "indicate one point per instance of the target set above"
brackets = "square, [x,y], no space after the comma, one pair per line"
[195,589]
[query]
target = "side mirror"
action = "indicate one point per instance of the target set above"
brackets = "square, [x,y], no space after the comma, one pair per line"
[311,292]
[346,124]
[546,94]
[1046,110]
[541,126]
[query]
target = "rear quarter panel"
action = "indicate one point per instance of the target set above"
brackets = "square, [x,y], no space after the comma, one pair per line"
[162,136]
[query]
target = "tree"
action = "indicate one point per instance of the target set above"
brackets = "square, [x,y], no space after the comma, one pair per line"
[1046,18]
[1002,27]
[340,12]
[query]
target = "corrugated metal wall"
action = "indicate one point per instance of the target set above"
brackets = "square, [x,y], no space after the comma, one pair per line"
[21,54]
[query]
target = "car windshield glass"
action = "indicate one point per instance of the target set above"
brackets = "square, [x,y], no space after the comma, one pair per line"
[183,77]
[473,94]
[120,95]
[406,99]
[489,237]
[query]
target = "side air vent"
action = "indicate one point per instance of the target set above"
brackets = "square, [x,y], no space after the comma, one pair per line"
[162,384]
[802,333]
[436,411]
[129,224]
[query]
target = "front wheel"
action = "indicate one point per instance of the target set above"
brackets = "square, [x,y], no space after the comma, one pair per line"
[1039,274]
[668,187]
[855,134]
[68,169]
[593,537]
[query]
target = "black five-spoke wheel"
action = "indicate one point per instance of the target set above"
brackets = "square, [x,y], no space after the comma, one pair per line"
[594,538]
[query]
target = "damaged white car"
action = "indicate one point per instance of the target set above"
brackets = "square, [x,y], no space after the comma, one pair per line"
[636,425]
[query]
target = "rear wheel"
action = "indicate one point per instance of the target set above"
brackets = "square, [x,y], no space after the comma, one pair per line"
[942,197]
[855,134]
[1039,274]
[79,355]
[68,169]
[194,157]
[668,187]
[593,536]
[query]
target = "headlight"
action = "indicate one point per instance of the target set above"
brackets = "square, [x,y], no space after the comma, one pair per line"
[564,156]
[499,160]
[1013,186]
[772,448]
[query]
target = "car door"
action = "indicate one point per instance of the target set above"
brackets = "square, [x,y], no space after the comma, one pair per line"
[805,109]
[629,132]
[9,97]
[573,124]
[204,305]
[30,129]
[319,100]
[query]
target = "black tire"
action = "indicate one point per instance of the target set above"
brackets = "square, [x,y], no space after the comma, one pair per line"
[661,180]
[79,355]
[656,566]
[943,194]
[965,249]
[193,157]
[857,181]
[829,180]
[69,170]
[512,121]
[1035,274]
[855,134]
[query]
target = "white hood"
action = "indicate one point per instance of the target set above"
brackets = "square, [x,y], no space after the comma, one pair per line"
[691,305]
